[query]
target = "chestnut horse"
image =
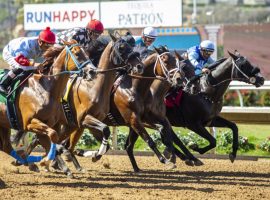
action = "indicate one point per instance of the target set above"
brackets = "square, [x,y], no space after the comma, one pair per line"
[198,111]
[127,102]
[89,100]
[38,100]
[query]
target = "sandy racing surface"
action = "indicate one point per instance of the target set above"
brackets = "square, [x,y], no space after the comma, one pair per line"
[112,178]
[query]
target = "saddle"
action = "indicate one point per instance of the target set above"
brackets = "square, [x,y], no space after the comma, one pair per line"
[173,98]
[10,98]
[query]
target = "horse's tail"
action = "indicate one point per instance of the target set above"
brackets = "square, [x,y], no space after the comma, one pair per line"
[18,136]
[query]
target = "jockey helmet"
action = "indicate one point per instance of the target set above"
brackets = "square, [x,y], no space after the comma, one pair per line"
[207,45]
[47,36]
[150,32]
[95,25]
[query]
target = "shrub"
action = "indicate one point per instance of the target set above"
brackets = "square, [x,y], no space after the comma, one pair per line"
[265,145]
[87,140]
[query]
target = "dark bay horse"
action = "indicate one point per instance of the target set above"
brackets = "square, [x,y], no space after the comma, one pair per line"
[155,117]
[38,100]
[127,102]
[89,99]
[201,110]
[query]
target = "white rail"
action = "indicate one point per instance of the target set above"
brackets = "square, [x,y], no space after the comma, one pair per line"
[237,86]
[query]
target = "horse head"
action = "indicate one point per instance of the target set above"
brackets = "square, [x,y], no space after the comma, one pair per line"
[71,56]
[123,55]
[243,70]
[167,66]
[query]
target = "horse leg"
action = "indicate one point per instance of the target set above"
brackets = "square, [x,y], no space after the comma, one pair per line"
[131,140]
[39,127]
[92,123]
[188,154]
[139,129]
[200,130]
[221,122]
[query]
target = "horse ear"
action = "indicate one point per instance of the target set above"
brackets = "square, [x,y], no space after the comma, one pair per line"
[236,53]
[156,50]
[164,48]
[232,55]
[65,42]
[113,37]
[178,56]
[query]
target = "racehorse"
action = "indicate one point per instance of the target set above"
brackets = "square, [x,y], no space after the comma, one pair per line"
[89,98]
[38,100]
[127,102]
[200,110]
[155,118]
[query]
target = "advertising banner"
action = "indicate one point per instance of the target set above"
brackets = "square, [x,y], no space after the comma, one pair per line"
[59,16]
[131,14]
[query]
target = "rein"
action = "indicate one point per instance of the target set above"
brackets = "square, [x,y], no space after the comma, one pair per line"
[165,71]
[235,66]
[79,66]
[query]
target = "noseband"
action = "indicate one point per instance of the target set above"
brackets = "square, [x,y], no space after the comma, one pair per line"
[167,73]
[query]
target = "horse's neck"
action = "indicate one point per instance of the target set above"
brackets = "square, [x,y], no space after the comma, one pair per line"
[104,81]
[53,85]
[223,77]
[159,89]
[142,86]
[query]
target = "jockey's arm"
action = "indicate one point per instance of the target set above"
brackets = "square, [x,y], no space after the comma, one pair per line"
[193,56]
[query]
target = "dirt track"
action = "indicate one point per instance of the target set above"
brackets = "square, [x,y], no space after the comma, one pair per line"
[217,179]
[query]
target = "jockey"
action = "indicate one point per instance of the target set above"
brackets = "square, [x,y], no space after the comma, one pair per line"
[84,36]
[20,52]
[199,56]
[143,43]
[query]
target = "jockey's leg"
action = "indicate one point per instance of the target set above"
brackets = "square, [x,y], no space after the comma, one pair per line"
[7,79]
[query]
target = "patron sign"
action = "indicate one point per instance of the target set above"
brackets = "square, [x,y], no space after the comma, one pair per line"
[130,14]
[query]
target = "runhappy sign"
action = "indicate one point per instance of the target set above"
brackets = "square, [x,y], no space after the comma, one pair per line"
[59,16]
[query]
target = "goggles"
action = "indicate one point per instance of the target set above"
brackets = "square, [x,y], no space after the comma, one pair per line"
[148,39]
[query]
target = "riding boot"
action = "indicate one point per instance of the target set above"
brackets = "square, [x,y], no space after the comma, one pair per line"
[7,79]
[5,82]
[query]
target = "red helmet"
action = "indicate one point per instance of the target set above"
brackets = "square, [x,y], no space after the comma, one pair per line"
[95,25]
[47,36]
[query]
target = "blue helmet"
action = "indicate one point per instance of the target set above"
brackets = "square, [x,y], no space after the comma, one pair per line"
[207,45]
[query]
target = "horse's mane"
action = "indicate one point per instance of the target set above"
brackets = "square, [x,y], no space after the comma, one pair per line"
[52,52]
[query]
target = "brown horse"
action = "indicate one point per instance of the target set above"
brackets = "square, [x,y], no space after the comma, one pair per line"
[89,100]
[127,101]
[38,101]
[155,118]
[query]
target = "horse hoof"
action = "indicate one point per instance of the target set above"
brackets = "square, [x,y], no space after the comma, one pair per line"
[171,166]
[232,157]
[16,163]
[33,168]
[137,170]
[198,163]
[81,170]
[70,175]
[189,162]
